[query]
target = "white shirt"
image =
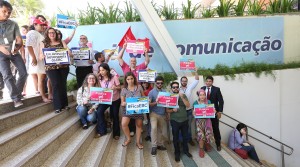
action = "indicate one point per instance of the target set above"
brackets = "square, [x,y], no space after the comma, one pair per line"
[188,92]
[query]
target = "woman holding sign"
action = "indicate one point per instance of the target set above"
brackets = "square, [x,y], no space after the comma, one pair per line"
[55,53]
[108,81]
[203,125]
[86,110]
[131,89]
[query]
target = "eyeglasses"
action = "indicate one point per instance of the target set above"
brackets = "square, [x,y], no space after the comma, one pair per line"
[159,83]
[82,38]
[175,87]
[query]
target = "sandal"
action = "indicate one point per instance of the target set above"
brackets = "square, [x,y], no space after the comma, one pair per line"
[117,137]
[139,146]
[126,143]
[57,111]
[201,153]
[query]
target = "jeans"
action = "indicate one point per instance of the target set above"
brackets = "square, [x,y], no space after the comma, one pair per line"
[15,87]
[58,79]
[158,129]
[251,152]
[84,116]
[1,82]
[183,128]
[114,113]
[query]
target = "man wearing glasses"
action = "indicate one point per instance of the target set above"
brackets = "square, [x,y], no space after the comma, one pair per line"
[157,118]
[83,67]
[179,122]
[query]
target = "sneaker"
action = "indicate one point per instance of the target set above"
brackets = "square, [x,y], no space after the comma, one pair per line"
[85,126]
[189,154]
[148,138]
[131,134]
[177,158]
[218,148]
[161,148]
[18,103]
[192,143]
[153,151]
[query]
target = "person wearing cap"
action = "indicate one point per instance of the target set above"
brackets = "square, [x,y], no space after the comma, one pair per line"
[10,32]
[36,66]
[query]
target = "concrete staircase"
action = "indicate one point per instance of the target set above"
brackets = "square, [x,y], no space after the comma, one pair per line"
[35,136]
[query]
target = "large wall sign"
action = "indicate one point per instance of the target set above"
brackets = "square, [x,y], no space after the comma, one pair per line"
[207,41]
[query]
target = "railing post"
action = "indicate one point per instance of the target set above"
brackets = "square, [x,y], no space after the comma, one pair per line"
[282,156]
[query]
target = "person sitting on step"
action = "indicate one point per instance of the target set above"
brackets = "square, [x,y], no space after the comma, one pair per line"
[86,110]
[237,140]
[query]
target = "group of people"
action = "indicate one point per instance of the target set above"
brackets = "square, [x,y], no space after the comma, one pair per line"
[90,74]
[28,57]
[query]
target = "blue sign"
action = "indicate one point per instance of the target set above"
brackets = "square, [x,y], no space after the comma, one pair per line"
[65,22]
[137,105]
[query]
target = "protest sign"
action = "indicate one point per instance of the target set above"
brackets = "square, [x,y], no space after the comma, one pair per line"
[187,64]
[101,95]
[65,22]
[81,53]
[147,75]
[137,105]
[135,47]
[204,111]
[166,99]
[56,56]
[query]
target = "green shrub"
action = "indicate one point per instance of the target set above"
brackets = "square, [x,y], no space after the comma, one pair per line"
[88,17]
[240,7]
[208,13]
[256,7]
[130,14]
[188,11]
[224,8]
[72,85]
[169,12]
[110,15]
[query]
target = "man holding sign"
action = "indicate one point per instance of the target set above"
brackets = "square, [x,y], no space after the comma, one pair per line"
[179,122]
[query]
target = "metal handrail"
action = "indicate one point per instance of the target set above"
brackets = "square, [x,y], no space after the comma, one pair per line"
[270,137]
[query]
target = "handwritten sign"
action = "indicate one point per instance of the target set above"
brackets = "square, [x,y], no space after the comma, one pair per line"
[101,95]
[204,111]
[56,56]
[187,64]
[166,99]
[81,53]
[147,75]
[135,47]
[65,22]
[137,105]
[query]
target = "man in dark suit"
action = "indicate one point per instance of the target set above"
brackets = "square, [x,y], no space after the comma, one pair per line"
[214,94]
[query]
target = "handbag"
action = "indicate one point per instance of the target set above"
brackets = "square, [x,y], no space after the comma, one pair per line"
[242,153]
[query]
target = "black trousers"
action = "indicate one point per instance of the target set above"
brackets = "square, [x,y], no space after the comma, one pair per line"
[81,72]
[216,130]
[178,127]
[58,79]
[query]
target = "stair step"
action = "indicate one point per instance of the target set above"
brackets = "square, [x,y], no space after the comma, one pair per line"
[206,161]
[134,156]
[170,150]
[224,153]
[15,138]
[149,160]
[8,105]
[162,158]
[117,153]
[20,116]
[72,146]
[97,152]
[38,150]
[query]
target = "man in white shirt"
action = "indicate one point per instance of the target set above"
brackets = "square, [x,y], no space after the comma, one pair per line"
[83,67]
[187,90]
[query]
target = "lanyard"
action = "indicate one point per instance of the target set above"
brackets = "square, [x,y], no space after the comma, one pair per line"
[106,84]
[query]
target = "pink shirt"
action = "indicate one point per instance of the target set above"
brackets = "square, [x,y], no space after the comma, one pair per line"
[125,68]
[109,84]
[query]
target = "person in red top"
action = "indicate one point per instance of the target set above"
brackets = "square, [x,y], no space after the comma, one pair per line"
[133,67]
